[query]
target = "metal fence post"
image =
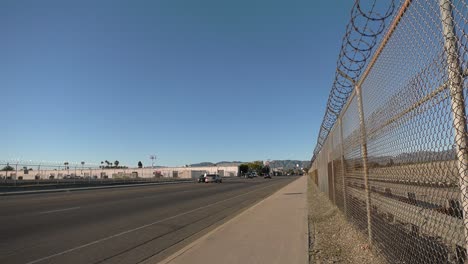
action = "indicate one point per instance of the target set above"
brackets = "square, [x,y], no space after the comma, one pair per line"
[364,160]
[455,83]
[342,166]
[330,154]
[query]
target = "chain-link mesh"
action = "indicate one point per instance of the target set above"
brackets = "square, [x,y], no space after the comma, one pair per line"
[410,192]
[368,22]
[42,170]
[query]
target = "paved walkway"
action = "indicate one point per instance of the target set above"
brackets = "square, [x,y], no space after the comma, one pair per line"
[272,231]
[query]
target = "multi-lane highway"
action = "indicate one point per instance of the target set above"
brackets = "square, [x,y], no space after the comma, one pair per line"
[124,225]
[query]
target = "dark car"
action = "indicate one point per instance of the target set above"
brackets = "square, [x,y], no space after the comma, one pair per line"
[201,178]
[267,176]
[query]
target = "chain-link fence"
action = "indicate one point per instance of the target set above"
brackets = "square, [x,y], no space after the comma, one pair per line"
[395,160]
[26,171]
[30,170]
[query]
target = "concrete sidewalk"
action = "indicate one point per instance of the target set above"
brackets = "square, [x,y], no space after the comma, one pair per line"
[272,231]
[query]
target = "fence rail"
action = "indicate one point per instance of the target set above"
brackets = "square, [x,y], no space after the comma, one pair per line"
[18,170]
[394,158]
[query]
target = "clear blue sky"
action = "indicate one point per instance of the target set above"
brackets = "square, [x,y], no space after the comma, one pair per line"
[190,81]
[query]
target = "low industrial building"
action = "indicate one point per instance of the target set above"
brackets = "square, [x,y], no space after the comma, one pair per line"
[159,172]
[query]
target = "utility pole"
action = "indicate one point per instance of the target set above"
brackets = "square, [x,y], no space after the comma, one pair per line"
[152,158]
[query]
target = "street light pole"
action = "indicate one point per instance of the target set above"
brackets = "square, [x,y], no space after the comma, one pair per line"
[39,170]
[16,174]
[152,158]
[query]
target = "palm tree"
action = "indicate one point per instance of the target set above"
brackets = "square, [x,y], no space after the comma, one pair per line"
[116,163]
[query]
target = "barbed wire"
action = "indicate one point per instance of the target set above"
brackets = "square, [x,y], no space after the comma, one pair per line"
[368,22]
[22,162]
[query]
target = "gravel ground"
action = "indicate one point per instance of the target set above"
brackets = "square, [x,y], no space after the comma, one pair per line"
[332,238]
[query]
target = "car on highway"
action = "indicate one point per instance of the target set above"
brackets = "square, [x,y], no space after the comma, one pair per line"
[201,178]
[213,178]
[248,176]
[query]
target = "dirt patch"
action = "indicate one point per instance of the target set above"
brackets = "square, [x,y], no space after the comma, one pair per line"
[332,238]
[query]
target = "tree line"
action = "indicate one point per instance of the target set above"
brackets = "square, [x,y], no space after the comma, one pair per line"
[257,166]
[111,165]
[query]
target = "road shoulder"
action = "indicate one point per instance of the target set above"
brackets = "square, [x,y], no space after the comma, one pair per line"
[332,238]
[272,231]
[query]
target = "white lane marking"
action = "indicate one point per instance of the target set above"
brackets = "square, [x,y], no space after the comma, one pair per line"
[59,210]
[138,228]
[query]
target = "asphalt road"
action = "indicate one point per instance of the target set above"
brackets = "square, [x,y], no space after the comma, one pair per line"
[125,225]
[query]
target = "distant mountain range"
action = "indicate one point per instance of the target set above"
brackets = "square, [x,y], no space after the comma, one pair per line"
[221,163]
[402,158]
[285,164]
[415,157]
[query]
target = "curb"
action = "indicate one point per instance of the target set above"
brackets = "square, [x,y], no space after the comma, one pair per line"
[180,252]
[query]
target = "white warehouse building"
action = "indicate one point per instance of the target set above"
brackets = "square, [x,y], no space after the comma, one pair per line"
[158,172]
